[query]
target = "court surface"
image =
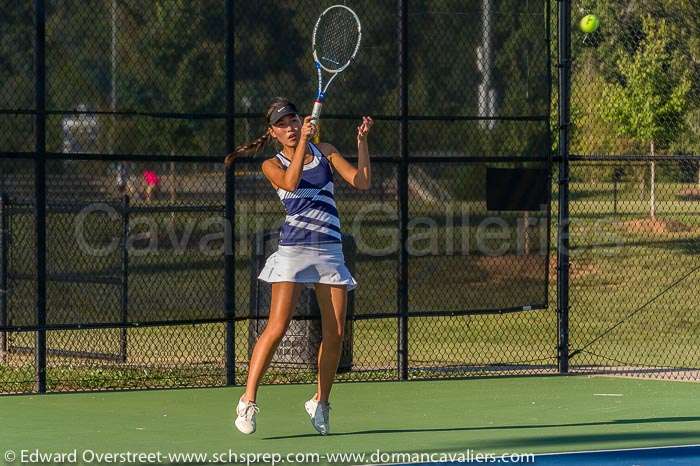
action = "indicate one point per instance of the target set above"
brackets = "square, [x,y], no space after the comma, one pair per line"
[494,415]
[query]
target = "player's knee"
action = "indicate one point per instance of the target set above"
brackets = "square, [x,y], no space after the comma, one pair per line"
[335,337]
[275,332]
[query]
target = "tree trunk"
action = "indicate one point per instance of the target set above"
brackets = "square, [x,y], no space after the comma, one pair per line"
[652,183]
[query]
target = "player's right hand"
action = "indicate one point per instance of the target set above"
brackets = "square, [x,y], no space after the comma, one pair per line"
[308,129]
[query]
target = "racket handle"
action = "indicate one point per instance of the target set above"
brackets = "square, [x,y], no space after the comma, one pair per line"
[316,112]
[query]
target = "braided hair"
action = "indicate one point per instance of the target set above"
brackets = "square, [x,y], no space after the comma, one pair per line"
[258,144]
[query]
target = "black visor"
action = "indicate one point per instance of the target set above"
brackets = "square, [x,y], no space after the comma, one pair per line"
[282,111]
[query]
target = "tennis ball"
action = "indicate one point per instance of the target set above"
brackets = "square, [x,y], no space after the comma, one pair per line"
[589,24]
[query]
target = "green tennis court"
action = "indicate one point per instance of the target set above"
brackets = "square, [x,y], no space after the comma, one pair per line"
[526,248]
[521,415]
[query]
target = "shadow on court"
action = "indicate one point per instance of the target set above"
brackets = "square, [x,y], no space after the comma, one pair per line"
[615,422]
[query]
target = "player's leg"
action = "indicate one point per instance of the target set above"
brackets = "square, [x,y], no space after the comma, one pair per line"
[285,296]
[332,300]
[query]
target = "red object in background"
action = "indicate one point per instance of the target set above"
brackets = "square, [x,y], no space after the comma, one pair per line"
[150,177]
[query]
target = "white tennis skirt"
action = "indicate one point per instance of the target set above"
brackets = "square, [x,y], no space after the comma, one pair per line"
[302,263]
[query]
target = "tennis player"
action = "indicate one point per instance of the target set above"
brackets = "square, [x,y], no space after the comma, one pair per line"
[310,248]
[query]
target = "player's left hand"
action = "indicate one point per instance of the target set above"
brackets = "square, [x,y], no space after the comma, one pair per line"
[363,129]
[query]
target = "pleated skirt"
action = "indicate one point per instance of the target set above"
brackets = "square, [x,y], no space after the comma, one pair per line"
[309,264]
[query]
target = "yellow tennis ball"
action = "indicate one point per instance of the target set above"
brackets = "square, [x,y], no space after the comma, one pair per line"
[589,24]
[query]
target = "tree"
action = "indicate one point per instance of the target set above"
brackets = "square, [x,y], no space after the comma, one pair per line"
[649,103]
[16,84]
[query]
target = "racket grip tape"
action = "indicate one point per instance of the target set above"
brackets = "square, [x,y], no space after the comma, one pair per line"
[316,112]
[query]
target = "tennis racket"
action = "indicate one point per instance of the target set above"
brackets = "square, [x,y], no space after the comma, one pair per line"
[336,40]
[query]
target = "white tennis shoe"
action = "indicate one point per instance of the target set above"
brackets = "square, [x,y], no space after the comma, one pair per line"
[245,420]
[320,415]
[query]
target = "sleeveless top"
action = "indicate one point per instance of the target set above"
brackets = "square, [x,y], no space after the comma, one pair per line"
[312,217]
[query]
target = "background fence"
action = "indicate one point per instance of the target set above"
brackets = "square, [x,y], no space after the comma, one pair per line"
[109,283]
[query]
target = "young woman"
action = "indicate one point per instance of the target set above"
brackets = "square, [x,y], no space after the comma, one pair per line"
[310,249]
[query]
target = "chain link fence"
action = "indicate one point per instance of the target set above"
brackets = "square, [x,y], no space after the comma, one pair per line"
[635,179]
[129,253]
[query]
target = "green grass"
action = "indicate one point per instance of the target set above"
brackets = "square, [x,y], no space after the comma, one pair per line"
[619,275]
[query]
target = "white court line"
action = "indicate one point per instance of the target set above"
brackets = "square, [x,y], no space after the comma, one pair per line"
[584,452]
[607,394]
[616,450]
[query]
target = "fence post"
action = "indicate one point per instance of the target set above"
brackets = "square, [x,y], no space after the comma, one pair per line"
[4,224]
[403,193]
[564,52]
[40,190]
[123,333]
[229,256]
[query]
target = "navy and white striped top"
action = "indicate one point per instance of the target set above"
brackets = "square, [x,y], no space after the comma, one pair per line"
[312,217]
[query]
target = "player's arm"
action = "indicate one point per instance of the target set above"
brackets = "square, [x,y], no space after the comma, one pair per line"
[359,177]
[355,177]
[289,178]
[275,173]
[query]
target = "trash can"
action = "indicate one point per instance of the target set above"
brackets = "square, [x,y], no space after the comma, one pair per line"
[299,346]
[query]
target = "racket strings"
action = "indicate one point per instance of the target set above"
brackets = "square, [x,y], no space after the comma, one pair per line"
[336,39]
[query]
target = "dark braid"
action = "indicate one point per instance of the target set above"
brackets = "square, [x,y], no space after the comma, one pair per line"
[248,148]
[256,146]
